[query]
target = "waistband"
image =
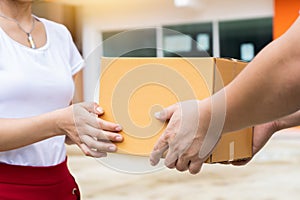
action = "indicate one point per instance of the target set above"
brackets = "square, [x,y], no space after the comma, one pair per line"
[29,175]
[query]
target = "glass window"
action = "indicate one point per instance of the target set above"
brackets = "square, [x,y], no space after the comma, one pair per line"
[203,42]
[175,43]
[199,44]
[247,51]
[241,38]
[133,43]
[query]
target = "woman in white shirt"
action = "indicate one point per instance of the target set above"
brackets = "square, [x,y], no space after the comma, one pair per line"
[38,60]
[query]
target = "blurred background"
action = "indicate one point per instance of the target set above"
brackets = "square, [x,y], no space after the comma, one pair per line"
[230,28]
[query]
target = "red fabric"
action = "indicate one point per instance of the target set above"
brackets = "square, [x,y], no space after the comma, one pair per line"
[37,183]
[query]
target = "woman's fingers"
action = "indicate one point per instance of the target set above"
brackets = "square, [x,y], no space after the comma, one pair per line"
[92,107]
[89,152]
[101,135]
[106,135]
[101,146]
[92,134]
[108,126]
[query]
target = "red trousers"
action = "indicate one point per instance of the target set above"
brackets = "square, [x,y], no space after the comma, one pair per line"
[37,183]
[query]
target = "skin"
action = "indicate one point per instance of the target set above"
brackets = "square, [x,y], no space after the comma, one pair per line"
[79,122]
[266,90]
[263,132]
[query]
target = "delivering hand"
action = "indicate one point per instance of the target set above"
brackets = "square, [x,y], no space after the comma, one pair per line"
[183,137]
[261,135]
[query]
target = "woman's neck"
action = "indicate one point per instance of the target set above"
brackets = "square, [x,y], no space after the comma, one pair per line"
[17,9]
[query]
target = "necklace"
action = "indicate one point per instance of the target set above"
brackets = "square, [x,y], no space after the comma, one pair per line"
[29,36]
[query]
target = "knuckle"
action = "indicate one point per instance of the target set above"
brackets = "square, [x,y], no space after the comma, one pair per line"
[189,155]
[101,123]
[156,148]
[178,148]
[101,135]
[168,135]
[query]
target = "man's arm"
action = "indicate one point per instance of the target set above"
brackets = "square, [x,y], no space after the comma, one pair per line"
[267,89]
[263,132]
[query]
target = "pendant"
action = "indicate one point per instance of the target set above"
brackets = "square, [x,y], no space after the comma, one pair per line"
[30,40]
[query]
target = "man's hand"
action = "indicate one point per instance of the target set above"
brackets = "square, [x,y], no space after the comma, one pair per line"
[183,136]
[261,135]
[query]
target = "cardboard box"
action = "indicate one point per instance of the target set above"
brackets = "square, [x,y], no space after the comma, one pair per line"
[133,89]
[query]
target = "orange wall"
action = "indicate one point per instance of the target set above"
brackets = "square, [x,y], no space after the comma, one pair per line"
[285,13]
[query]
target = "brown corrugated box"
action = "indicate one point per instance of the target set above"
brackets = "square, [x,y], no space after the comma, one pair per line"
[133,89]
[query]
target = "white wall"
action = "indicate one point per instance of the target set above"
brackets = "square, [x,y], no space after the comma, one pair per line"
[120,14]
[111,15]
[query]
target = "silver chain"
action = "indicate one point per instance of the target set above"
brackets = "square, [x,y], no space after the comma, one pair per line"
[29,36]
[19,25]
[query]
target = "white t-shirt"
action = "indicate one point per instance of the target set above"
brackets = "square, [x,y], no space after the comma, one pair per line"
[36,81]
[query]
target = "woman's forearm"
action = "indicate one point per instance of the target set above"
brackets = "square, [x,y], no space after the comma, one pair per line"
[16,133]
[79,122]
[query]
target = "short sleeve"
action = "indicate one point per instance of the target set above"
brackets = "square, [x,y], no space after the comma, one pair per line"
[75,60]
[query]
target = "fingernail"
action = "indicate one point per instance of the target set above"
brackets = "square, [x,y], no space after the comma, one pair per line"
[157,115]
[119,138]
[118,128]
[100,110]
[112,148]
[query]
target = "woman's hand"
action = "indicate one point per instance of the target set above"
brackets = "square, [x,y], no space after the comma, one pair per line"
[81,124]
